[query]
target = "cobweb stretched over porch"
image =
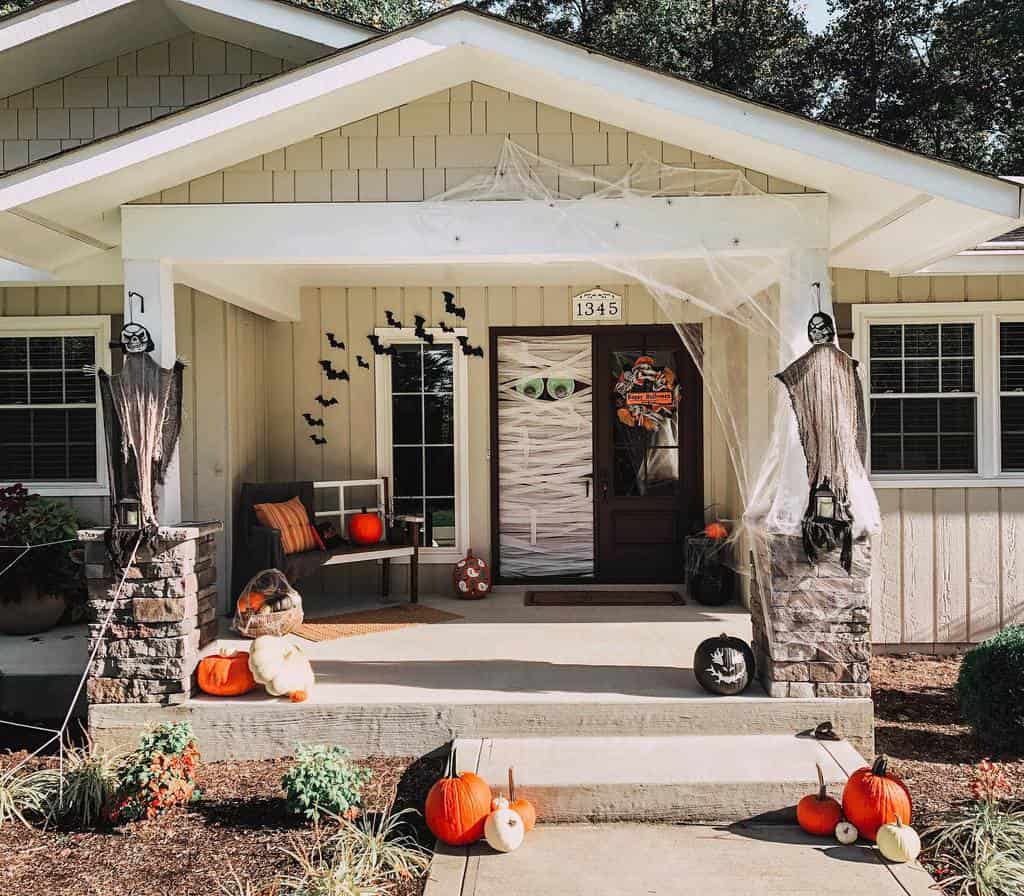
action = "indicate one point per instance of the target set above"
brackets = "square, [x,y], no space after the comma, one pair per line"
[731,289]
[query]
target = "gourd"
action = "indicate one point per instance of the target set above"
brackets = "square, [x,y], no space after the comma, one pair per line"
[504,830]
[281,667]
[846,833]
[499,802]
[872,797]
[898,842]
[522,807]
[457,806]
[716,531]
[225,674]
[818,813]
[251,602]
[365,528]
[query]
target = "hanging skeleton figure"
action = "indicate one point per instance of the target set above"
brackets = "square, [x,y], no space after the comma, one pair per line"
[142,422]
[825,392]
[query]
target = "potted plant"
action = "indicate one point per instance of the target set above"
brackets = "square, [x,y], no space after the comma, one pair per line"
[39,585]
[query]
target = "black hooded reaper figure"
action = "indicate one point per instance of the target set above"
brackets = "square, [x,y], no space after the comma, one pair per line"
[142,422]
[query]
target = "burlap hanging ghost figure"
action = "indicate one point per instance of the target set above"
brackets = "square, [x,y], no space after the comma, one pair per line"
[825,392]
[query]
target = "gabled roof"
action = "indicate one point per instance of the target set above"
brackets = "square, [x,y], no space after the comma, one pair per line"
[54,38]
[890,209]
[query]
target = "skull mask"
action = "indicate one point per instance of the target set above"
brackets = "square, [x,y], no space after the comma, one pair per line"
[821,330]
[135,338]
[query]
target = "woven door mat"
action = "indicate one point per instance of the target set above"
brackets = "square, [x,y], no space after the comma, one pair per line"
[368,622]
[603,598]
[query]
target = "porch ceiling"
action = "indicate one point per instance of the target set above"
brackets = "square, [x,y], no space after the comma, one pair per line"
[888,209]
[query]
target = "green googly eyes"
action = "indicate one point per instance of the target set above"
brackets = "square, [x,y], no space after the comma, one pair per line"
[560,387]
[557,387]
[531,388]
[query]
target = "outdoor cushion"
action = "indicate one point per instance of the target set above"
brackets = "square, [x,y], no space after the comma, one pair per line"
[298,534]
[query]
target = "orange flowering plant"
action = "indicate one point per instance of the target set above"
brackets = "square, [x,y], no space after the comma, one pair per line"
[160,774]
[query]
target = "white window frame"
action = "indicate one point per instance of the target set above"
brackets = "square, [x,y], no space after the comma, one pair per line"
[986,317]
[382,375]
[97,326]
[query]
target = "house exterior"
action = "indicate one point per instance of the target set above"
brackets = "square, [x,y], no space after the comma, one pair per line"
[261,172]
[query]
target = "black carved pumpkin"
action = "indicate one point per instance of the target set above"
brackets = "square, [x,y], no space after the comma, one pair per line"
[724,665]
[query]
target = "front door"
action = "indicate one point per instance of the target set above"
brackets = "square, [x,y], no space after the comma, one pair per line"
[596,453]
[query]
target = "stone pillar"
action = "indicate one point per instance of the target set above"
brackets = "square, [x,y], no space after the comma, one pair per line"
[166,612]
[811,621]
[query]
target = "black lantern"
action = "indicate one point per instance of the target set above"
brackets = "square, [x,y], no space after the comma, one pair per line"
[824,502]
[128,512]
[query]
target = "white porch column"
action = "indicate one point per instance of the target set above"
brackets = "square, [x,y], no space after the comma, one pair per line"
[153,281]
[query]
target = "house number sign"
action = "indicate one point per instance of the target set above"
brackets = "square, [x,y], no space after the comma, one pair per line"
[596,304]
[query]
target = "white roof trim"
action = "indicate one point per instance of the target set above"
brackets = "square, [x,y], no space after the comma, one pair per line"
[890,208]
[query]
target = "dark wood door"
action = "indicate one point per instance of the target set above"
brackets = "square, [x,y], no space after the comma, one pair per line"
[648,455]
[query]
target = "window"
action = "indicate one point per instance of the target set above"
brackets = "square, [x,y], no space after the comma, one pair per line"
[420,436]
[50,427]
[945,391]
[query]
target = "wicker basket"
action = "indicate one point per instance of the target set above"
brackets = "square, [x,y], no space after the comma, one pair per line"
[255,625]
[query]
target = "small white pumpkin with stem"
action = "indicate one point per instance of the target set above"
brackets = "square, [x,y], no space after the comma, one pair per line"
[847,833]
[898,842]
[504,830]
[281,667]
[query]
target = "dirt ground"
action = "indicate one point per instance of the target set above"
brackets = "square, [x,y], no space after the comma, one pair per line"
[241,823]
[917,725]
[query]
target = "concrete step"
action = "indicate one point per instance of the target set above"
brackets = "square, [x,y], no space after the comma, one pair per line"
[717,778]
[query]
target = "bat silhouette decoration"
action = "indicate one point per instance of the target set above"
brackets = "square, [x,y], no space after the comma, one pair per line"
[326,402]
[470,350]
[333,374]
[451,308]
[421,333]
[379,349]
[313,421]
[362,362]
[445,328]
[318,440]
[392,320]
[334,341]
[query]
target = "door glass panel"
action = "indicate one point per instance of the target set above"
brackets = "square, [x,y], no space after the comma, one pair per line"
[645,393]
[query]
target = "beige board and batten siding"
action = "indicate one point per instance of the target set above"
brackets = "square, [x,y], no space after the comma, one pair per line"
[223,438]
[949,564]
[132,89]
[351,314]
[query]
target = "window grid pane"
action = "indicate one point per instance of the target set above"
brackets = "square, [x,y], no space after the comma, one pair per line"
[47,409]
[423,438]
[1011,396]
[923,406]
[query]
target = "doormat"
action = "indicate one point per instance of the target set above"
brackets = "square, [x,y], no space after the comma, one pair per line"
[368,622]
[603,598]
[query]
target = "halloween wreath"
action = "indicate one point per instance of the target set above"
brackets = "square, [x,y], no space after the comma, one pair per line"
[646,396]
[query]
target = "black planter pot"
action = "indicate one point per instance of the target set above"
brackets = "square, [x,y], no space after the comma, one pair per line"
[709,579]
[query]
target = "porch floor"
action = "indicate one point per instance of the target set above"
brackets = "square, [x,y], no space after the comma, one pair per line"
[503,651]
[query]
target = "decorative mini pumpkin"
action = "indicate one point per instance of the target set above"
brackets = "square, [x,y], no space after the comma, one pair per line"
[225,674]
[457,806]
[499,802]
[522,807]
[365,528]
[873,797]
[818,813]
[898,842]
[504,830]
[724,665]
[846,833]
[471,577]
[251,602]
[281,667]
[716,531]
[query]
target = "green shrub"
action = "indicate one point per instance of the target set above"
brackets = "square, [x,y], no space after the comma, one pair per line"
[26,794]
[991,690]
[160,774]
[324,781]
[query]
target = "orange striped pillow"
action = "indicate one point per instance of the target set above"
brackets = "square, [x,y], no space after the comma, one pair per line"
[292,521]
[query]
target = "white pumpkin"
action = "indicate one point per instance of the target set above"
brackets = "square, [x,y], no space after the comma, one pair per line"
[846,833]
[281,667]
[499,802]
[898,842]
[504,830]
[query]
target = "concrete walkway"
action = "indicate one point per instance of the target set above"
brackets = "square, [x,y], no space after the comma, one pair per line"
[665,860]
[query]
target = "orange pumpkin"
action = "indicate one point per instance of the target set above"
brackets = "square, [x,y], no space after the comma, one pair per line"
[457,806]
[716,531]
[522,807]
[818,813]
[251,602]
[365,528]
[873,797]
[225,674]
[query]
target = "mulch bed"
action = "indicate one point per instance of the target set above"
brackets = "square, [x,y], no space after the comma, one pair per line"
[240,823]
[917,725]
